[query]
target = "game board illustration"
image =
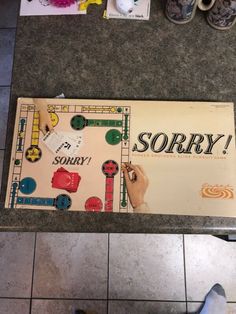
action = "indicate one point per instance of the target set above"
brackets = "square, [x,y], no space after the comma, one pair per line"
[124,156]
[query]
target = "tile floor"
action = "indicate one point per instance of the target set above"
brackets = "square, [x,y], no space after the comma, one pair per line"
[53,273]
[48,273]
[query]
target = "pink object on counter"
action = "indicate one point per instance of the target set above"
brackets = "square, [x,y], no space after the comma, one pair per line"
[62,3]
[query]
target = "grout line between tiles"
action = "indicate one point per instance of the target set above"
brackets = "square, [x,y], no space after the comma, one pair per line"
[144,300]
[185,275]
[118,300]
[121,300]
[14,298]
[108,269]
[32,280]
[228,302]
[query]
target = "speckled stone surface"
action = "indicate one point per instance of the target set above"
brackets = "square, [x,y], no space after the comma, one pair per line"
[205,258]
[91,57]
[140,307]
[14,306]
[68,306]
[142,267]
[16,264]
[66,263]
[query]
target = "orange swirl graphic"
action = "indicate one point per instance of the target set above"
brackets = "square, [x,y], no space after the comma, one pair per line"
[217,191]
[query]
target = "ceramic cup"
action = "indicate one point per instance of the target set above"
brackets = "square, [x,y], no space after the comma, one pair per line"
[223,14]
[183,11]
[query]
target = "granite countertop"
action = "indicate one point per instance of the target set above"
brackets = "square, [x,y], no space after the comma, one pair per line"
[91,57]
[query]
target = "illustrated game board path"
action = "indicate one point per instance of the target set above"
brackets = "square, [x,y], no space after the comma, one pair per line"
[33,165]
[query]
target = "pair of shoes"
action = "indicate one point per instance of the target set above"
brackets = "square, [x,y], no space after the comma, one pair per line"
[221,15]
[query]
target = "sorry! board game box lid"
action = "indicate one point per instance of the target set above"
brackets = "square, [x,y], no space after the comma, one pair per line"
[124,156]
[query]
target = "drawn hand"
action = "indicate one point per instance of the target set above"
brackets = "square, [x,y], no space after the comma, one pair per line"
[45,123]
[136,183]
